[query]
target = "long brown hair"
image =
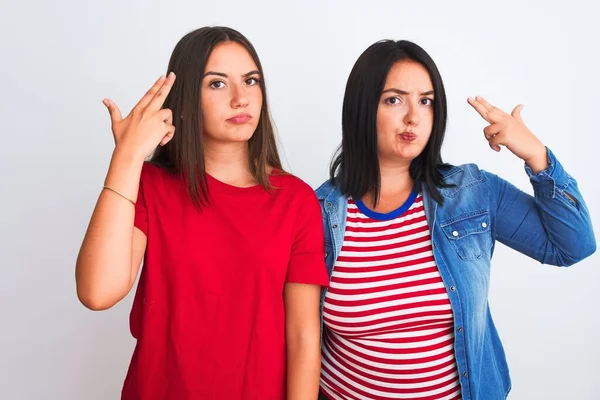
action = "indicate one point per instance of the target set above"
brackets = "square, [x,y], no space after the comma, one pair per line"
[184,154]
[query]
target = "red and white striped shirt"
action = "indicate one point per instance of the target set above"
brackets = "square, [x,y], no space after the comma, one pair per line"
[388,321]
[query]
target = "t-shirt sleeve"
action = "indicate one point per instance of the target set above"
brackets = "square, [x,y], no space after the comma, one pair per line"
[141,212]
[307,261]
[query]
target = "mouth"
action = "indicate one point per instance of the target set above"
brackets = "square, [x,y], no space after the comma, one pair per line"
[240,118]
[408,136]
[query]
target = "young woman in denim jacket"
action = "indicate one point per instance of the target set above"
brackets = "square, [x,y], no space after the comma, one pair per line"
[409,239]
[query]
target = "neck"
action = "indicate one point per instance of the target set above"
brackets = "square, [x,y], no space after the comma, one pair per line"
[395,178]
[228,162]
[396,186]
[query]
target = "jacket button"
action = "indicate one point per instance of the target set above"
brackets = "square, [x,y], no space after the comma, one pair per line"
[460,329]
[335,226]
[452,289]
[464,374]
[483,225]
[328,204]
[455,233]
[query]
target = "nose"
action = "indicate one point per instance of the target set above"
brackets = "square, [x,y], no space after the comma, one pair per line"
[412,117]
[239,98]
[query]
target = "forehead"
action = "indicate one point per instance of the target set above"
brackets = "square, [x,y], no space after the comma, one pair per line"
[407,75]
[230,58]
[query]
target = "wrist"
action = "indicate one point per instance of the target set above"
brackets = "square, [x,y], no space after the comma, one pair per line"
[539,161]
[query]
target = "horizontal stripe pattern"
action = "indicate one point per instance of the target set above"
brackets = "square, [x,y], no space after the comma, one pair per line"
[389,325]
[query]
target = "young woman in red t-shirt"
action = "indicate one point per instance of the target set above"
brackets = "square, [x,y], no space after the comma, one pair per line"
[227,305]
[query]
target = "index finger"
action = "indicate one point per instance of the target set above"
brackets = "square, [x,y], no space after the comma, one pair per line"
[159,98]
[150,93]
[480,108]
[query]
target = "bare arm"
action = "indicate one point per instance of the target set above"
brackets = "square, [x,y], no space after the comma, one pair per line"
[112,249]
[303,330]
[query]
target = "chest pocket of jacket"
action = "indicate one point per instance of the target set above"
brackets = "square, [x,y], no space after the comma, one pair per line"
[469,234]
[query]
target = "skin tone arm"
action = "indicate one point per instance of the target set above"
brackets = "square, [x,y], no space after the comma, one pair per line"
[303,330]
[112,249]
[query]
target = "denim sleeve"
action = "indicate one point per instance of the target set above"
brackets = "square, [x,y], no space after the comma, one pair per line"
[553,226]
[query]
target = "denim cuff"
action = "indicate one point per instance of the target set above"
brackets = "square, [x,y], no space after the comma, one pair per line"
[552,180]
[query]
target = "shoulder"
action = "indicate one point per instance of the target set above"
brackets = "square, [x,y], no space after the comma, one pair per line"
[463,176]
[151,170]
[325,189]
[291,185]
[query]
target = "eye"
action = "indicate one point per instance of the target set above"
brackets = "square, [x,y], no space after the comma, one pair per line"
[216,84]
[426,101]
[252,81]
[392,100]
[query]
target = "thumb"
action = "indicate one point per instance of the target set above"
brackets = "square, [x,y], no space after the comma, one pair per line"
[113,110]
[516,113]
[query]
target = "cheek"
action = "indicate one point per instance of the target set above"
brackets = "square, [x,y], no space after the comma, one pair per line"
[386,121]
[256,99]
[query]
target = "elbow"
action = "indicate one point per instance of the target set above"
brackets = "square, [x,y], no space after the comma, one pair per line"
[97,300]
[94,303]
[585,250]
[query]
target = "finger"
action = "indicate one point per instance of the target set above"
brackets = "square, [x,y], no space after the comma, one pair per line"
[517,112]
[481,109]
[159,98]
[167,138]
[166,115]
[491,131]
[150,93]
[487,105]
[495,142]
[113,110]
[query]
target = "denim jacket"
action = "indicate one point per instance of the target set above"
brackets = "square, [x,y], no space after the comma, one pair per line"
[553,227]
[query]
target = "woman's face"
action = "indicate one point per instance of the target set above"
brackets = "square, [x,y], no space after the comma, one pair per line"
[405,113]
[231,97]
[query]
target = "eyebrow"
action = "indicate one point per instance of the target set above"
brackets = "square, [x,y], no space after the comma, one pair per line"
[224,75]
[403,92]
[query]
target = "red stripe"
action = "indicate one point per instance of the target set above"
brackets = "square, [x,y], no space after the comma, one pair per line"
[371,258]
[400,285]
[395,296]
[363,229]
[385,247]
[389,236]
[398,307]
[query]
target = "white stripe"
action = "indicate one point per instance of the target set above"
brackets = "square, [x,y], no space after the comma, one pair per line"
[385,232]
[378,316]
[382,284]
[403,369]
[405,345]
[390,385]
[424,245]
[358,297]
[378,263]
[328,359]
[357,242]
[386,223]
[384,272]
[353,330]
[389,395]
[385,304]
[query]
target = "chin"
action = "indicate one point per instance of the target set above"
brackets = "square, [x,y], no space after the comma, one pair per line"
[240,135]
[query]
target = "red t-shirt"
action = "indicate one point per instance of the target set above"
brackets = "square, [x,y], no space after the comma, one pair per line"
[208,314]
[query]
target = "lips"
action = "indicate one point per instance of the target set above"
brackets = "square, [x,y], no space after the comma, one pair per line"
[240,118]
[408,136]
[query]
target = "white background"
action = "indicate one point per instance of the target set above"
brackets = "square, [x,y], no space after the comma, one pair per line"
[59,59]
